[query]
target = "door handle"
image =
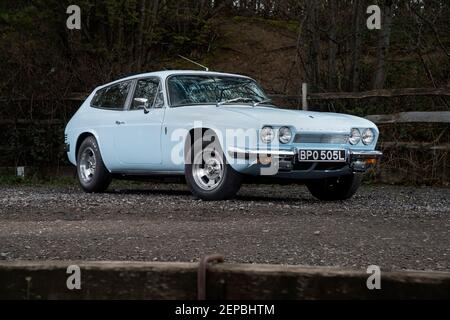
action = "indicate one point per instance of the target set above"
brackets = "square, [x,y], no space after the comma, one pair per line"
[120,122]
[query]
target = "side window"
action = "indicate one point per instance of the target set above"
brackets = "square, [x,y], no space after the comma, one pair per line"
[159,102]
[147,89]
[96,101]
[113,97]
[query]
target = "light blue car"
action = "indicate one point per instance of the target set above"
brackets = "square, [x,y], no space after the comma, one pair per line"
[215,130]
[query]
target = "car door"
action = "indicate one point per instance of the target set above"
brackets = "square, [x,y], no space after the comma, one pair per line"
[137,138]
[107,106]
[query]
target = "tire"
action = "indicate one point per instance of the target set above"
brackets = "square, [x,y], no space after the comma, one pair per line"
[91,171]
[224,181]
[330,189]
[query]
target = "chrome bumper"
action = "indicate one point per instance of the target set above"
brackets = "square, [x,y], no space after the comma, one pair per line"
[355,161]
[248,153]
[365,154]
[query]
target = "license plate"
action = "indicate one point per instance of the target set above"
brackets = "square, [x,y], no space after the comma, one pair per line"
[321,155]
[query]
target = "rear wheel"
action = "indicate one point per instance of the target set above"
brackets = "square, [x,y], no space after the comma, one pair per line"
[208,175]
[92,173]
[341,188]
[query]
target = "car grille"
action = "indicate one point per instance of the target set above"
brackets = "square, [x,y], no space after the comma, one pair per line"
[320,138]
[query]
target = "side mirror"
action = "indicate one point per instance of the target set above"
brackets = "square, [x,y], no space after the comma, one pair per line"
[143,103]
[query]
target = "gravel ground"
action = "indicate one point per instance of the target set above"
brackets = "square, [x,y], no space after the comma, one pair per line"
[394,227]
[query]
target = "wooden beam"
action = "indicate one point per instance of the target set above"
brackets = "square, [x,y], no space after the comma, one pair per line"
[31,121]
[381,93]
[415,145]
[411,117]
[176,280]
[75,96]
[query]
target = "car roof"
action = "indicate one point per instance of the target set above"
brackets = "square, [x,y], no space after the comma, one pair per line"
[166,73]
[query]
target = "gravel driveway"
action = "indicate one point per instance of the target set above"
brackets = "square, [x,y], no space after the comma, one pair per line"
[390,226]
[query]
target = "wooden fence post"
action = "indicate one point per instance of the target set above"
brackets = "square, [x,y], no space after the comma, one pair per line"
[304,96]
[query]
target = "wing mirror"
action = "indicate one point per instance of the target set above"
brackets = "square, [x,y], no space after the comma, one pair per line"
[143,103]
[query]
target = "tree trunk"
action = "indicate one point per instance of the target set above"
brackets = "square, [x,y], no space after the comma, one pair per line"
[383,44]
[140,35]
[150,29]
[332,46]
[313,56]
[356,45]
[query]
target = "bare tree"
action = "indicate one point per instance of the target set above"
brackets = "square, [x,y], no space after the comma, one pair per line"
[313,46]
[357,17]
[332,46]
[383,44]
[140,40]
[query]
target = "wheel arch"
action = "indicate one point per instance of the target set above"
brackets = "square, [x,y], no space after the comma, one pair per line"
[81,137]
[189,140]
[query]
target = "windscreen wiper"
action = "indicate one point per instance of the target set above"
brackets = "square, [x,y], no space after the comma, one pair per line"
[232,100]
[255,104]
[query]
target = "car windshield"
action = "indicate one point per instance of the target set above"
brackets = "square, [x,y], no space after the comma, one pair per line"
[212,89]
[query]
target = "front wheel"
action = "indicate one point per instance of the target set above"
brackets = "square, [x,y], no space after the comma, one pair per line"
[208,175]
[92,173]
[330,189]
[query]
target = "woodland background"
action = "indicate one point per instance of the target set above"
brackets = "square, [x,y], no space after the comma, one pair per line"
[45,68]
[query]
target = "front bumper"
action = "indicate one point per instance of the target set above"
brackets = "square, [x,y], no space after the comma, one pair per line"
[370,154]
[355,161]
[251,153]
[360,161]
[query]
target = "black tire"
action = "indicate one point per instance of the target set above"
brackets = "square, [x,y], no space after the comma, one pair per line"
[227,186]
[330,189]
[100,179]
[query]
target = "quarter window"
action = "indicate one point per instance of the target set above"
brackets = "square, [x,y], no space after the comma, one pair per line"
[112,97]
[149,89]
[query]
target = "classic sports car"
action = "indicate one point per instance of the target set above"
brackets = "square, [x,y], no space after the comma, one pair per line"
[216,130]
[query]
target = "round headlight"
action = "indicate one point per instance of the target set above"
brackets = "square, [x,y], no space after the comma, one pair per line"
[367,136]
[267,134]
[284,134]
[355,136]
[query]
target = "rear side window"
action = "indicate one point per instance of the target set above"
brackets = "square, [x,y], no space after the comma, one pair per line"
[112,97]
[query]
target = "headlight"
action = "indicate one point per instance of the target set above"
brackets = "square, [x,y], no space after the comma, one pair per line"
[267,134]
[367,136]
[284,134]
[355,136]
